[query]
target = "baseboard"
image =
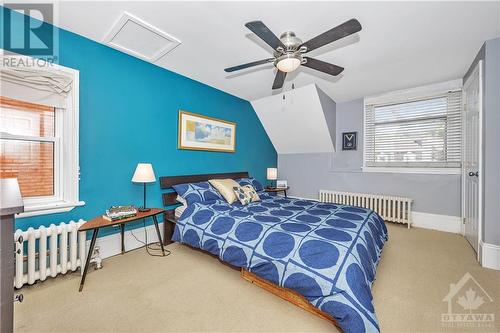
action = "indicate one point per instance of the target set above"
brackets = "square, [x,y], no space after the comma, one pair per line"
[490,255]
[439,222]
[111,245]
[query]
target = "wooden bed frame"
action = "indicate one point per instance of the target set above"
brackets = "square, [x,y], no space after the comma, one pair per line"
[169,199]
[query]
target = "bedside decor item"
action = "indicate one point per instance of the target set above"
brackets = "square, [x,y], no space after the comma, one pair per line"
[197,132]
[115,213]
[349,140]
[144,174]
[272,174]
[281,184]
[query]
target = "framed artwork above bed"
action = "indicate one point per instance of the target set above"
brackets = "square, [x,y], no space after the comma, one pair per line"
[198,132]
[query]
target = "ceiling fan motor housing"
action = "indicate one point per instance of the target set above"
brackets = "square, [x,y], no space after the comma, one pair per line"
[290,41]
[291,50]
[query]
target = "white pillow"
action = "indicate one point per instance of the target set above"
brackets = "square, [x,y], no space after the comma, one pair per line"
[181,200]
[225,188]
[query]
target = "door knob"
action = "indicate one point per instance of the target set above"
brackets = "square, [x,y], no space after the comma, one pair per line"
[472,174]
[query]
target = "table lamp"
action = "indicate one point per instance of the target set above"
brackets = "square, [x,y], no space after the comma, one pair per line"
[144,174]
[272,174]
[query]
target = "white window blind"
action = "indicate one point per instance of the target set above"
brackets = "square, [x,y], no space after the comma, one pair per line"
[418,133]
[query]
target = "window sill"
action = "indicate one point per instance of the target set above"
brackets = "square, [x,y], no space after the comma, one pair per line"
[429,171]
[49,208]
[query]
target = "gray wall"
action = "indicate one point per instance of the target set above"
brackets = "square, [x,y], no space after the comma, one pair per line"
[307,173]
[330,110]
[491,230]
[490,54]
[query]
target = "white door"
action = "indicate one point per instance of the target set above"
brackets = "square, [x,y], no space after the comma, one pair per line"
[472,95]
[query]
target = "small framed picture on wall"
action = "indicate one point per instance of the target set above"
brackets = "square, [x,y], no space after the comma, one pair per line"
[281,184]
[349,140]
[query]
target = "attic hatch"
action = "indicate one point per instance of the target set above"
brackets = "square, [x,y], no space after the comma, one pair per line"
[139,38]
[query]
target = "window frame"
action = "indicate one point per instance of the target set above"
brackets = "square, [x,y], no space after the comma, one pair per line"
[66,150]
[402,96]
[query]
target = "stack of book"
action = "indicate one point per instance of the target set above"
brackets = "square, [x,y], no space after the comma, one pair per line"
[115,213]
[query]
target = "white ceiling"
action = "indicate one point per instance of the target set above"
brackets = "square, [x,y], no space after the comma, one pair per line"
[402,44]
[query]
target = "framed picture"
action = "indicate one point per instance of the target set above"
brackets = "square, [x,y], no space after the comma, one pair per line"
[281,184]
[349,140]
[197,132]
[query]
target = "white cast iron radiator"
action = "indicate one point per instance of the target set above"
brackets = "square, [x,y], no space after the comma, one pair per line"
[50,251]
[390,208]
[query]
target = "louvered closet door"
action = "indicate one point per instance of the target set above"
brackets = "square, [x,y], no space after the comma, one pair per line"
[471,155]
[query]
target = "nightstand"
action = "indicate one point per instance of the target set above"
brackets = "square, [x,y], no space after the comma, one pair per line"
[100,222]
[277,190]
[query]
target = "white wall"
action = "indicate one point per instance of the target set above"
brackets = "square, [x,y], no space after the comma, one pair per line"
[296,124]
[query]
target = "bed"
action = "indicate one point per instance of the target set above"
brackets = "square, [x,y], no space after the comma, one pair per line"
[321,257]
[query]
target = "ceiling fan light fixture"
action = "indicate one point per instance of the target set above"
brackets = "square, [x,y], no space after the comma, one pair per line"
[288,63]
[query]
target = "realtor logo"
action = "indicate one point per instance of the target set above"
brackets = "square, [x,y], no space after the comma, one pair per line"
[468,305]
[28,29]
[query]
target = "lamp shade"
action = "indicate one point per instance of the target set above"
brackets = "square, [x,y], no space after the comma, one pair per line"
[272,173]
[144,173]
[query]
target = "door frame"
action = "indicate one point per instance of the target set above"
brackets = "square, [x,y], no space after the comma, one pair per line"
[478,70]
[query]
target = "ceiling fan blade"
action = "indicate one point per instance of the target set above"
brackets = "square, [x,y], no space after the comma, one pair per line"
[250,64]
[261,30]
[279,80]
[322,66]
[345,29]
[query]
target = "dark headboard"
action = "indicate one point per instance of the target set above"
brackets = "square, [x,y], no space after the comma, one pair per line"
[166,182]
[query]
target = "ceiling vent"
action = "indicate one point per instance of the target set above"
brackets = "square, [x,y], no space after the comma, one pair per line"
[140,39]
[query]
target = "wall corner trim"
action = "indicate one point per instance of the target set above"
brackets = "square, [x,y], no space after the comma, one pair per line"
[446,223]
[490,255]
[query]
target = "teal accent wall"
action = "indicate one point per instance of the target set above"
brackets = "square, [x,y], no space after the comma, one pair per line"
[128,114]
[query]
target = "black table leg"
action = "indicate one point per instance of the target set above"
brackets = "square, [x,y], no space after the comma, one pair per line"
[122,229]
[89,255]
[158,232]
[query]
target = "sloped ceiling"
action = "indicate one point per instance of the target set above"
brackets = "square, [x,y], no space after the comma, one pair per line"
[403,43]
[300,122]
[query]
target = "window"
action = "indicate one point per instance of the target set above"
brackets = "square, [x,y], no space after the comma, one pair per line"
[27,146]
[420,132]
[39,141]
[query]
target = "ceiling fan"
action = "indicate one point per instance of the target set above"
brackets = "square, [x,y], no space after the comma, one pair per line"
[289,50]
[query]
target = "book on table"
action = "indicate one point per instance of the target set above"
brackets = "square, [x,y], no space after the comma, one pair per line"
[116,213]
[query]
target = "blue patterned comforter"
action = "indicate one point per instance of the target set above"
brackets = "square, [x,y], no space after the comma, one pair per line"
[326,252]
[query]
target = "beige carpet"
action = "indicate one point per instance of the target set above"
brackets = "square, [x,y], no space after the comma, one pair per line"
[190,291]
